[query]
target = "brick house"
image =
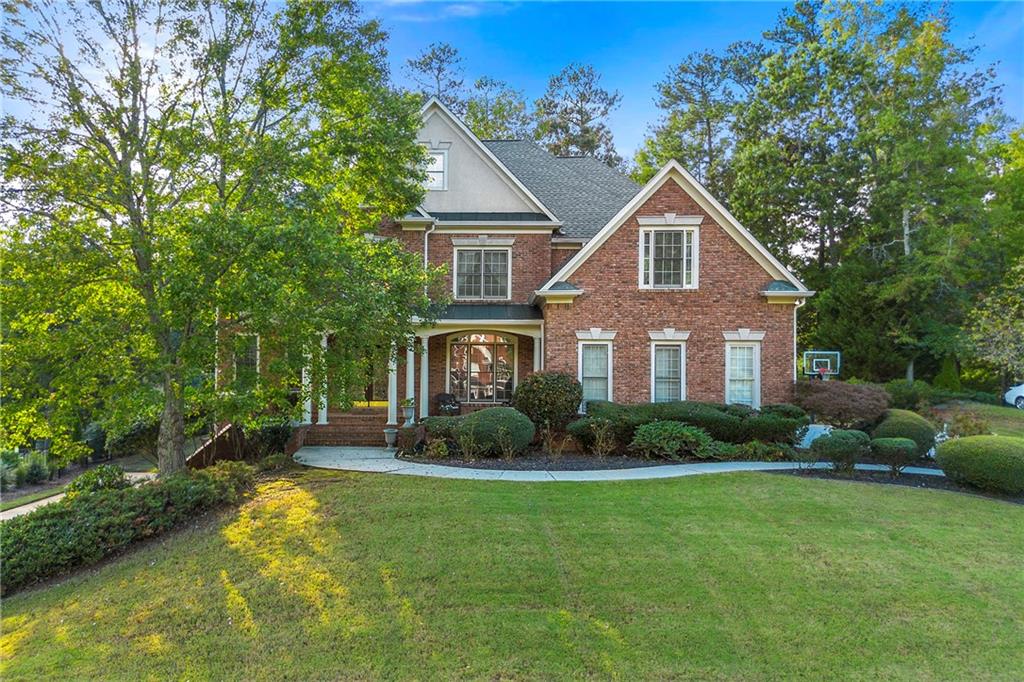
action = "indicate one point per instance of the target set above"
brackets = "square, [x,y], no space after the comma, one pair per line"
[644,293]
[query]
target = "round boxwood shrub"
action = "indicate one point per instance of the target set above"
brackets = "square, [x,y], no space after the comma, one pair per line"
[103,477]
[440,428]
[671,440]
[492,428]
[907,424]
[786,410]
[549,399]
[842,448]
[897,453]
[988,462]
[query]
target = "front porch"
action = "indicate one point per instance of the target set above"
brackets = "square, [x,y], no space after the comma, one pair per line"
[477,353]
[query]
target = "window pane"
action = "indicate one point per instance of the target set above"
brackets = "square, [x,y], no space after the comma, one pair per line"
[668,373]
[503,372]
[482,369]
[495,268]
[741,375]
[647,258]
[434,167]
[246,361]
[468,271]
[459,375]
[668,258]
[595,372]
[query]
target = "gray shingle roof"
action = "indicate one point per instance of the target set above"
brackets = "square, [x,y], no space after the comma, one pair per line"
[582,192]
[491,311]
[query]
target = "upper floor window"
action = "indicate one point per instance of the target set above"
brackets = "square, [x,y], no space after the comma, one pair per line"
[246,361]
[437,169]
[482,273]
[668,258]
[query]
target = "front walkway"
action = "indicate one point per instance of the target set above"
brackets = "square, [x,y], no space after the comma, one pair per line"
[383,461]
[133,476]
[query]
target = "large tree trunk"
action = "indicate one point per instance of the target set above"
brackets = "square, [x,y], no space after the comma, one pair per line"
[171,442]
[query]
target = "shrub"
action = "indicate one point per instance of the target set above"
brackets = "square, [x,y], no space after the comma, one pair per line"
[841,448]
[103,477]
[721,451]
[10,458]
[551,398]
[842,404]
[908,395]
[898,453]
[594,434]
[988,462]
[266,438]
[967,423]
[95,437]
[409,437]
[757,451]
[21,473]
[485,427]
[139,438]
[82,529]
[948,377]
[775,428]
[906,424]
[440,428]
[786,410]
[436,449]
[36,469]
[275,462]
[671,440]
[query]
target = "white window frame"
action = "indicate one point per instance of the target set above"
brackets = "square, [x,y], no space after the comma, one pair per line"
[641,271]
[756,345]
[234,358]
[444,170]
[450,340]
[481,297]
[595,336]
[681,345]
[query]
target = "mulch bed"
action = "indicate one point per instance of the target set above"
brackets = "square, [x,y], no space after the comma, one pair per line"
[909,480]
[538,461]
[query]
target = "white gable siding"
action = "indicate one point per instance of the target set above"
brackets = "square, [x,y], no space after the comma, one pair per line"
[474,184]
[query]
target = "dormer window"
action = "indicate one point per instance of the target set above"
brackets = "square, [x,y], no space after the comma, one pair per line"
[437,169]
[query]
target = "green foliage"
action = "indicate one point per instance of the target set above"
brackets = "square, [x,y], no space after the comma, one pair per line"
[786,410]
[36,468]
[103,477]
[595,434]
[968,423]
[495,111]
[758,451]
[988,462]
[842,448]
[898,453]
[267,436]
[488,427]
[948,377]
[440,428]
[82,529]
[908,395]
[276,462]
[722,451]
[997,322]
[572,115]
[906,424]
[409,437]
[670,440]
[437,70]
[841,403]
[436,449]
[549,398]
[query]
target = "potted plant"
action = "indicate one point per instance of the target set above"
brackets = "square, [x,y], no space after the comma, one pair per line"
[409,411]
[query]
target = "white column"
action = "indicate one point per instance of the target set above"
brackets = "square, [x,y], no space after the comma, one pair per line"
[321,417]
[307,392]
[538,352]
[424,377]
[393,386]
[410,370]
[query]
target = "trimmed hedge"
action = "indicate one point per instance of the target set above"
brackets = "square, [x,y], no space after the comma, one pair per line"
[907,424]
[548,398]
[82,529]
[671,440]
[490,427]
[987,462]
[842,448]
[103,477]
[897,453]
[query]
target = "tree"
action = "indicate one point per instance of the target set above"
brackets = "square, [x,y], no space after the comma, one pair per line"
[180,172]
[996,324]
[438,73]
[494,111]
[572,115]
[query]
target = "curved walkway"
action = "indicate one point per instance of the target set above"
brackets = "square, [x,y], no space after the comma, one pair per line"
[383,461]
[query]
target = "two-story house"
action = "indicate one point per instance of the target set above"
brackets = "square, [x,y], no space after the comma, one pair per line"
[649,293]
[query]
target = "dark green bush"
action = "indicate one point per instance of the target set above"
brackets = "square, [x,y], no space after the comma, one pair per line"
[842,403]
[671,440]
[491,427]
[786,410]
[987,462]
[440,428]
[722,451]
[36,470]
[594,434]
[81,530]
[774,428]
[548,398]
[906,424]
[948,377]
[581,432]
[908,395]
[841,448]
[267,438]
[897,453]
[95,437]
[757,451]
[103,477]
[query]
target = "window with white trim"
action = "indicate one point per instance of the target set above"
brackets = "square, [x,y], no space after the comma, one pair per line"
[743,374]
[668,373]
[481,367]
[482,273]
[595,370]
[246,361]
[436,168]
[668,258]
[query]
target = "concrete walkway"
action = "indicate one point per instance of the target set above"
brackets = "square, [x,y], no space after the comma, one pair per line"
[383,461]
[133,476]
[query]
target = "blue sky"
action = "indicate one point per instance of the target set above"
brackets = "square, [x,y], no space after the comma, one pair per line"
[633,44]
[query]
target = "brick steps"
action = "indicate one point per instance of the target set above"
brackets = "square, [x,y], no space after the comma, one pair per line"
[359,426]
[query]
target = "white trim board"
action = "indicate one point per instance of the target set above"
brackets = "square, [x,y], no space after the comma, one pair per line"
[673,171]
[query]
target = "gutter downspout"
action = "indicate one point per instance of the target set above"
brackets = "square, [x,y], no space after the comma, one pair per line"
[799,304]
[426,249]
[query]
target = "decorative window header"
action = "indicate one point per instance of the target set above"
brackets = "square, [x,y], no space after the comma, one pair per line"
[483,240]
[668,334]
[670,219]
[595,334]
[743,334]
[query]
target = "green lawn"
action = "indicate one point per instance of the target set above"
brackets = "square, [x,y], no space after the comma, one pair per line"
[12,502]
[1005,420]
[741,576]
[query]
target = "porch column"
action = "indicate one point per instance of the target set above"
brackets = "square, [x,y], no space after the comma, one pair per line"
[321,409]
[307,392]
[538,352]
[393,386]
[410,369]
[424,377]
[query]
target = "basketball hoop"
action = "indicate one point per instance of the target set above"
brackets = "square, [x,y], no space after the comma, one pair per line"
[823,364]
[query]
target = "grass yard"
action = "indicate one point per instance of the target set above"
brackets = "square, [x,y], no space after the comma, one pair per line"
[12,502]
[330,575]
[1005,420]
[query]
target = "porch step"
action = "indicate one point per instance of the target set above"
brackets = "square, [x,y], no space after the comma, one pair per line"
[358,426]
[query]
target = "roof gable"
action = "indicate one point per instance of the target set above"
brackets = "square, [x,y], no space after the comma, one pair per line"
[673,172]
